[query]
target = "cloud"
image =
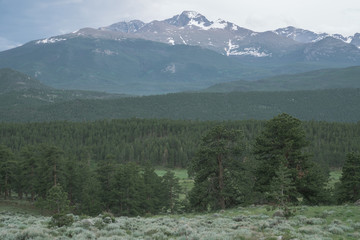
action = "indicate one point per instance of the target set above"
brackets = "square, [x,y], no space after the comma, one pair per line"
[6,44]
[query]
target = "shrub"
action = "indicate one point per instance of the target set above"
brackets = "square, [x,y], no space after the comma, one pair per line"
[108,217]
[60,220]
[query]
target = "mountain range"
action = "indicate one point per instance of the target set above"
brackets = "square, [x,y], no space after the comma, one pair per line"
[186,52]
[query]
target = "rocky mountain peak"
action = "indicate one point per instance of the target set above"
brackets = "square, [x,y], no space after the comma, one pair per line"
[126,27]
[188,18]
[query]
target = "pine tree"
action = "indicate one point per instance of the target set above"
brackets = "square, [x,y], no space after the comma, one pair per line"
[216,157]
[56,200]
[172,190]
[280,188]
[349,187]
[7,170]
[281,143]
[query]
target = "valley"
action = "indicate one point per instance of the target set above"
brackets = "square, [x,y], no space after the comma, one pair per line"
[181,128]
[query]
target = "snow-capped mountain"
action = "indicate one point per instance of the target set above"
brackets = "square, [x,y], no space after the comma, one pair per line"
[192,28]
[182,53]
[306,36]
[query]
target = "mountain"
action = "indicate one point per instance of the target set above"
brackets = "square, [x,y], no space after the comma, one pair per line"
[306,36]
[187,52]
[319,79]
[131,66]
[13,81]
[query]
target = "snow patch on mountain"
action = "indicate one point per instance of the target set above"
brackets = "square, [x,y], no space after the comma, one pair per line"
[191,14]
[251,51]
[170,68]
[231,47]
[50,40]
[184,42]
[233,50]
[171,41]
[105,52]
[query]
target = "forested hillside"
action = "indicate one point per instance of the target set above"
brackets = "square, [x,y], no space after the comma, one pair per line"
[337,105]
[165,142]
[320,79]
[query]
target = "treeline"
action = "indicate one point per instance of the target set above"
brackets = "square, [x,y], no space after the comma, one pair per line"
[168,143]
[108,165]
[123,189]
[334,105]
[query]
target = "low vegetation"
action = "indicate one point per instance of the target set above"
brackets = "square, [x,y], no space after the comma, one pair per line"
[251,223]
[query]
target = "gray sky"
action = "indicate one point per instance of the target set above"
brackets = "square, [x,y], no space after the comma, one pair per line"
[25,20]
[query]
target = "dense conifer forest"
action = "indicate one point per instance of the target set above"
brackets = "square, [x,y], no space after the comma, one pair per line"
[168,143]
[109,165]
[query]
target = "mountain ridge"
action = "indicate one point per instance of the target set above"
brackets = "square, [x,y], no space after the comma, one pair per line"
[187,52]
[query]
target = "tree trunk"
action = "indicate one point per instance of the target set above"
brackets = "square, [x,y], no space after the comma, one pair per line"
[221,183]
[6,187]
[54,174]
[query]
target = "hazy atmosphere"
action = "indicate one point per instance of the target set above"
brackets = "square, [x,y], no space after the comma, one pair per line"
[26,20]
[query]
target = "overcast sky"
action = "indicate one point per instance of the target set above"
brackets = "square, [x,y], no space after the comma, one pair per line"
[25,20]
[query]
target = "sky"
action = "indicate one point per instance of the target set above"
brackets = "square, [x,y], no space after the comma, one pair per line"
[22,21]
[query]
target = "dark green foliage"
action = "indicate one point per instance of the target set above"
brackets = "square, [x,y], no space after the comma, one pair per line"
[319,79]
[349,187]
[107,165]
[61,220]
[57,200]
[216,163]
[7,170]
[280,146]
[340,105]
[172,190]
[154,193]
[162,142]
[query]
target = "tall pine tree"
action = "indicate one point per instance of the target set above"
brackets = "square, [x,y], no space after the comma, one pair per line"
[216,158]
[281,143]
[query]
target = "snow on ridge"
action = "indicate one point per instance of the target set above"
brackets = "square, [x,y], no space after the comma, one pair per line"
[192,14]
[184,42]
[250,51]
[231,47]
[218,24]
[50,40]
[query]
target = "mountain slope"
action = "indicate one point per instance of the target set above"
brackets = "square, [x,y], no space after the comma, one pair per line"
[187,52]
[20,93]
[323,105]
[319,79]
[11,80]
[131,66]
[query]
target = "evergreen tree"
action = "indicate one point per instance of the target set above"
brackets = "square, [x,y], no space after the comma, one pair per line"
[56,200]
[172,189]
[349,187]
[50,169]
[153,190]
[7,170]
[216,158]
[105,175]
[280,188]
[281,143]
[29,163]
[128,191]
